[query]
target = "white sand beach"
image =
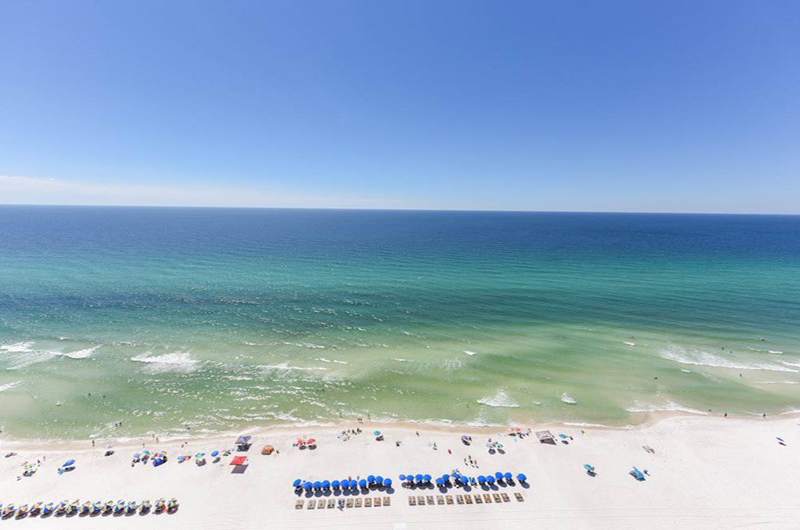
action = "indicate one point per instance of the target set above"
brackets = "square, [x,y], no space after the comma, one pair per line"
[705,472]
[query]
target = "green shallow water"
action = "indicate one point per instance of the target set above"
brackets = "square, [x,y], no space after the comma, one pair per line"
[168,319]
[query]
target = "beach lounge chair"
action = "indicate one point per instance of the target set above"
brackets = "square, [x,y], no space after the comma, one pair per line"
[358,502]
[448,499]
[505,498]
[459,499]
[638,475]
[439,499]
[478,499]
[468,499]
[376,503]
[331,504]
[412,501]
[487,498]
[312,504]
[387,501]
[368,503]
[429,498]
[298,505]
[519,497]
[497,498]
[350,503]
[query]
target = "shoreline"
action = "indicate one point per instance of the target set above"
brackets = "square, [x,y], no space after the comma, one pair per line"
[650,420]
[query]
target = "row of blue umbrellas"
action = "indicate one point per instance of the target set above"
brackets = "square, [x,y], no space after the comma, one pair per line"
[419,478]
[371,480]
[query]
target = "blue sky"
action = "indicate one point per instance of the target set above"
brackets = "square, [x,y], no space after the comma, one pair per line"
[576,105]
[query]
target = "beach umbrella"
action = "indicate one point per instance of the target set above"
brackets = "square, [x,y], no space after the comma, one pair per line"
[376,433]
[387,483]
[446,476]
[353,484]
[402,477]
[419,477]
[199,456]
[440,481]
[311,441]
[379,480]
[362,483]
[145,451]
[481,479]
[137,456]
[371,479]
[317,485]
[427,478]
[307,486]
[297,483]
[335,484]
[69,463]
[410,478]
[326,484]
[508,476]
[498,476]
[490,479]
[521,477]
[215,453]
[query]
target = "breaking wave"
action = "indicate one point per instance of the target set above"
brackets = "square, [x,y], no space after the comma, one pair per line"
[178,362]
[701,358]
[500,399]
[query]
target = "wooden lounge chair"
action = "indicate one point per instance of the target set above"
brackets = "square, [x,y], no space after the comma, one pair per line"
[478,499]
[439,499]
[376,503]
[430,500]
[519,497]
[312,504]
[350,503]
[412,501]
[448,499]
[331,503]
[299,505]
[468,499]
[505,497]
[487,498]
[368,503]
[357,502]
[420,500]
[387,501]
[459,499]
[496,497]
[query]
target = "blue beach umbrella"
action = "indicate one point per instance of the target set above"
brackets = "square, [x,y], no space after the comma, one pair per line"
[490,479]
[335,484]
[69,463]
[326,484]
[307,486]
[402,477]
[379,480]
[498,476]
[446,476]
[345,484]
[214,454]
[440,481]
[521,477]
[427,478]
[297,483]
[481,479]
[387,483]
[410,478]
[317,485]
[419,478]
[362,483]
[353,484]
[508,476]
[371,479]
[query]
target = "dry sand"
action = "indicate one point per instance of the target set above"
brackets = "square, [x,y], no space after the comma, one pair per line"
[706,472]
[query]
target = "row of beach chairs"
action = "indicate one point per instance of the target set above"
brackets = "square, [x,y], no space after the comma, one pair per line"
[356,502]
[477,498]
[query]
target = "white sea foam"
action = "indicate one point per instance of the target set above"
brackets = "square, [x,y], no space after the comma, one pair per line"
[569,400]
[629,343]
[669,406]
[470,353]
[9,386]
[17,347]
[177,362]
[500,399]
[400,360]
[335,361]
[701,358]
[80,354]
[286,367]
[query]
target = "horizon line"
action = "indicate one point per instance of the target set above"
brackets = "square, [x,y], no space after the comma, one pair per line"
[365,209]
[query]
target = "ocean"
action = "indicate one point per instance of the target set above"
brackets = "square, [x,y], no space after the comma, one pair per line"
[130,321]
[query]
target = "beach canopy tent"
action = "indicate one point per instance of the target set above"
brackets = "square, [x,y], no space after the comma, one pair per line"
[239,461]
[243,441]
[546,437]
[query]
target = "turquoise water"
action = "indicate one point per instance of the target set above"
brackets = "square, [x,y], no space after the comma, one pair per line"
[212,319]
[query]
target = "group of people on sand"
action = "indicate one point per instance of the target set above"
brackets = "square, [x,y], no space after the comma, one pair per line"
[345,435]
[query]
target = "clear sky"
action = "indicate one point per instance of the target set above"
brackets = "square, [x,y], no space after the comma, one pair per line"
[563,105]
